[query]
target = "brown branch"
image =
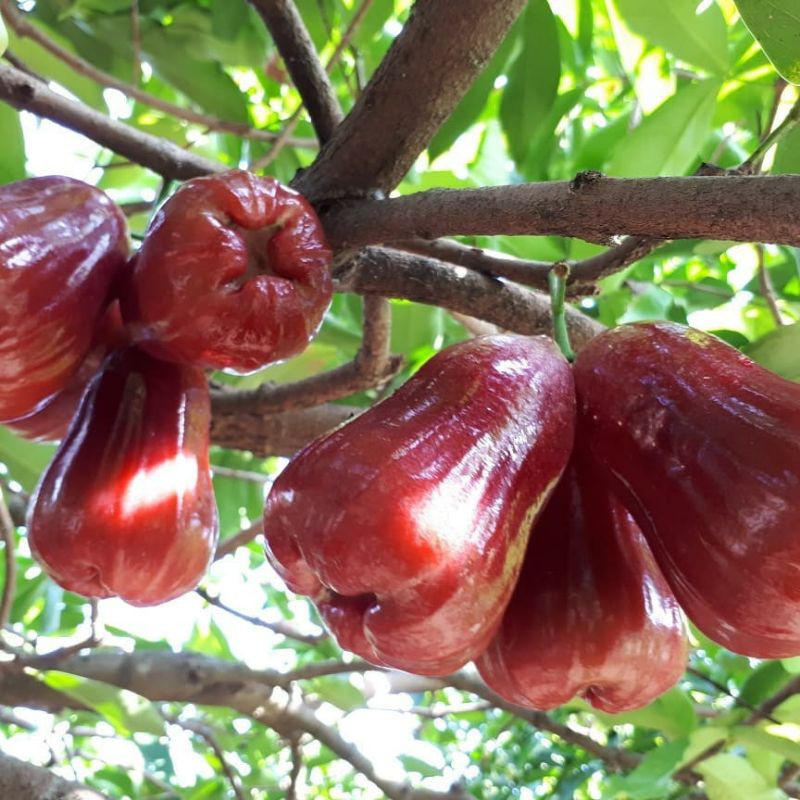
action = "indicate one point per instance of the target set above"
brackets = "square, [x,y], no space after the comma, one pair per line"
[442,49]
[10,580]
[282,627]
[23,28]
[391,273]
[192,677]
[295,46]
[232,543]
[21,780]
[163,157]
[738,208]
[274,434]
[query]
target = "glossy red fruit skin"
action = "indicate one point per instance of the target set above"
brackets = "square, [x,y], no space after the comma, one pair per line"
[591,614]
[126,507]
[408,524]
[51,418]
[215,285]
[62,244]
[704,446]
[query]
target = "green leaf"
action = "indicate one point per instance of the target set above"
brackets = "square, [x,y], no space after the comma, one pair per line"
[749,734]
[25,460]
[779,351]
[672,714]
[787,153]
[699,39]
[474,101]
[763,682]
[776,26]
[12,153]
[650,303]
[652,778]
[228,17]
[728,777]
[127,711]
[668,142]
[532,79]
[204,81]
[338,691]
[414,764]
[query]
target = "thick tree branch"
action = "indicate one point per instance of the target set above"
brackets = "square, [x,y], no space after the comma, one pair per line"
[442,48]
[295,46]
[274,434]
[738,208]
[21,780]
[391,273]
[23,28]
[189,677]
[167,159]
[196,678]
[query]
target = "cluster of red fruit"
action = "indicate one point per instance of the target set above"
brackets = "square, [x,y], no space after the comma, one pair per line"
[549,521]
[107,353]
[545,520]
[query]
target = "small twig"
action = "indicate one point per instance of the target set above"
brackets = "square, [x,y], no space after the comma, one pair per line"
[282,628]
[51,660]
[295,46]
[724,690]
[320,669]
[770,139]
[240,474]
[232,543]
[136,42]
[533,273]
[767,288]
[766,709]
[10,582]
[284,137]
[439,711]
[296,753]
[207,734]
